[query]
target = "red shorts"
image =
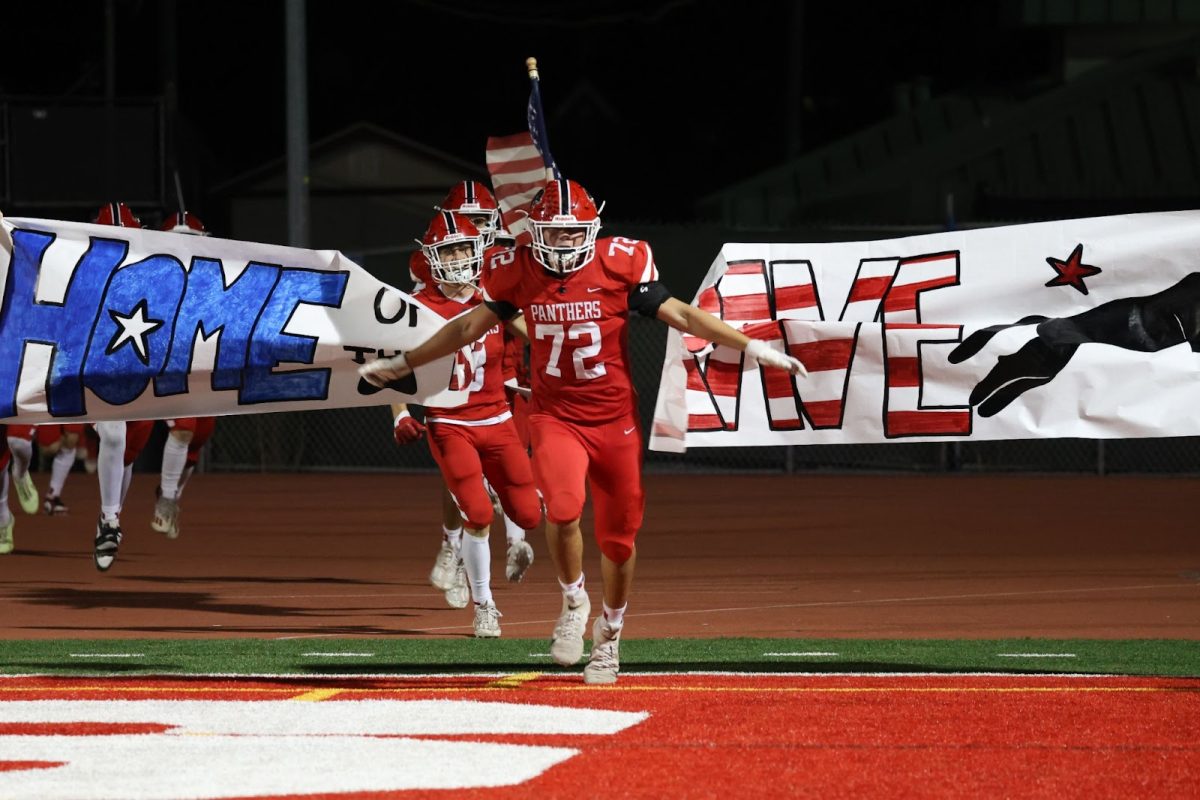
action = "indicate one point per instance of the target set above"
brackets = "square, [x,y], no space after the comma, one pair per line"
[46,434]
[202,429]
[609,457]
[22,432]
[467,453]
[4,454]
[136,435]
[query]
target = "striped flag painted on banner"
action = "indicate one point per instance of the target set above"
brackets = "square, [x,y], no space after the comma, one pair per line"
[518,171]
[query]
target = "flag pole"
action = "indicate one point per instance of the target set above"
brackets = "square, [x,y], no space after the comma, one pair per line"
[537,118]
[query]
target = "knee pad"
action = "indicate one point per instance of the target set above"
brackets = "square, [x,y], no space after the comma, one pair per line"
[619,548]
[528,515]
[563,508]
[477,516]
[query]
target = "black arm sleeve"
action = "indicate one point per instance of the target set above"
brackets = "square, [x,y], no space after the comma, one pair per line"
[645,298]
[505,311]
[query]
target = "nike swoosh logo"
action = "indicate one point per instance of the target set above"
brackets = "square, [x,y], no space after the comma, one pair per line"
[631,430]
[594,289]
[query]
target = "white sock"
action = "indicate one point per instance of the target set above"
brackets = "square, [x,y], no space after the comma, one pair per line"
[615,617]
[126,479]
[4,512]
[183,479]
[573,591]
[60,468]
[110,466]
[453,536]
[22,454]
[512,531]
[174,460]
[477,558]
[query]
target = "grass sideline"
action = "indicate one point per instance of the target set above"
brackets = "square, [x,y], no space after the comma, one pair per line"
[341,656]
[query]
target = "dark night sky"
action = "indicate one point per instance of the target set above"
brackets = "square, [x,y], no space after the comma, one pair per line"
[650,104]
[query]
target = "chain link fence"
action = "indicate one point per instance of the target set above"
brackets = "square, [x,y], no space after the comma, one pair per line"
[359,439]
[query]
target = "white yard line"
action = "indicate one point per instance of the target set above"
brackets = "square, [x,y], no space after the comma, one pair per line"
[1036,655]
[337,655]
[107,655]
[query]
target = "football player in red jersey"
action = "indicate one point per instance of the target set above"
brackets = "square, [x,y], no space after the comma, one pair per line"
[576,293]
[478,439]
[474,202]
[120,442]
[186,436]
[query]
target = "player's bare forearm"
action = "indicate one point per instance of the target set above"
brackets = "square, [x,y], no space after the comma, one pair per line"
[701,324]
[454,334]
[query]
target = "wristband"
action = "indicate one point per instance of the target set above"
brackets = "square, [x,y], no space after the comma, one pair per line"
[754,348]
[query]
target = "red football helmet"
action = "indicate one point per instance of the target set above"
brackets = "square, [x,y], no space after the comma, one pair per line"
[473,200]
[564,205]
[116,214]
[443,245]
[186,223]
[418,270]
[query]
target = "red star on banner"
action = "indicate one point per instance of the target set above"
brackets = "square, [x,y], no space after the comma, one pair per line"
[1072,271]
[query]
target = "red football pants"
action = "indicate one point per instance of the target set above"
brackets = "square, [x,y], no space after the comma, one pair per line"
[137,434]
[466,454]
[609,457]
[202,429]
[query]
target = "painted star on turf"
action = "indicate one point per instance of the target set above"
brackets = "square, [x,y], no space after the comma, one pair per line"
[133,329]
[1072,271]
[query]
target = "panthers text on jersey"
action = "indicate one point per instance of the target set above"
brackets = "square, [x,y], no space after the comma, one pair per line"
[578,326]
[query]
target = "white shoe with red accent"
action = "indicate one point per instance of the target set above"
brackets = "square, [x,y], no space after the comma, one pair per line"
[605,661]
[566,643]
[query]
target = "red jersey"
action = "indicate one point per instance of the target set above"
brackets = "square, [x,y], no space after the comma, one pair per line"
[578,326]
[481,374]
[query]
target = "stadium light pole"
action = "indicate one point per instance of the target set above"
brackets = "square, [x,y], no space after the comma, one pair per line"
[297,122]
[110,100]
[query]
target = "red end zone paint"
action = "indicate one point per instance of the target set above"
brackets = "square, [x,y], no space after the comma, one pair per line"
[753,736]
[77,728]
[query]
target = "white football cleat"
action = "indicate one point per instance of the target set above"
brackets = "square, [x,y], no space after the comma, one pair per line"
[487,620]
[605,661]
[518,560]
[566,643]
[459,593]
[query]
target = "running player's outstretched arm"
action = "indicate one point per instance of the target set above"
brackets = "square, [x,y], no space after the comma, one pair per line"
[703,325]
[454,334]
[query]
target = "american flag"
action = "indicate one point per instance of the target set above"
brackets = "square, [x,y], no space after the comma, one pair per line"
[520,165]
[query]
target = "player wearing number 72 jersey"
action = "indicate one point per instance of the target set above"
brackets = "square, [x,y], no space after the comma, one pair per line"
[576,293]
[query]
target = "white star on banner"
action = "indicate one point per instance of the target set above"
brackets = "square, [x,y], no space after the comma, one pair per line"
[133,328]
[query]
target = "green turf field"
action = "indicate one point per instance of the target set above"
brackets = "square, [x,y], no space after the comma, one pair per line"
[319,656]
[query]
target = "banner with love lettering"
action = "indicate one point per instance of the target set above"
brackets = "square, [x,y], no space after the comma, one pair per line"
[1079,328]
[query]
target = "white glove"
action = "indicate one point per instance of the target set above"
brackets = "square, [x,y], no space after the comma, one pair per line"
[765,355]
[383,371]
